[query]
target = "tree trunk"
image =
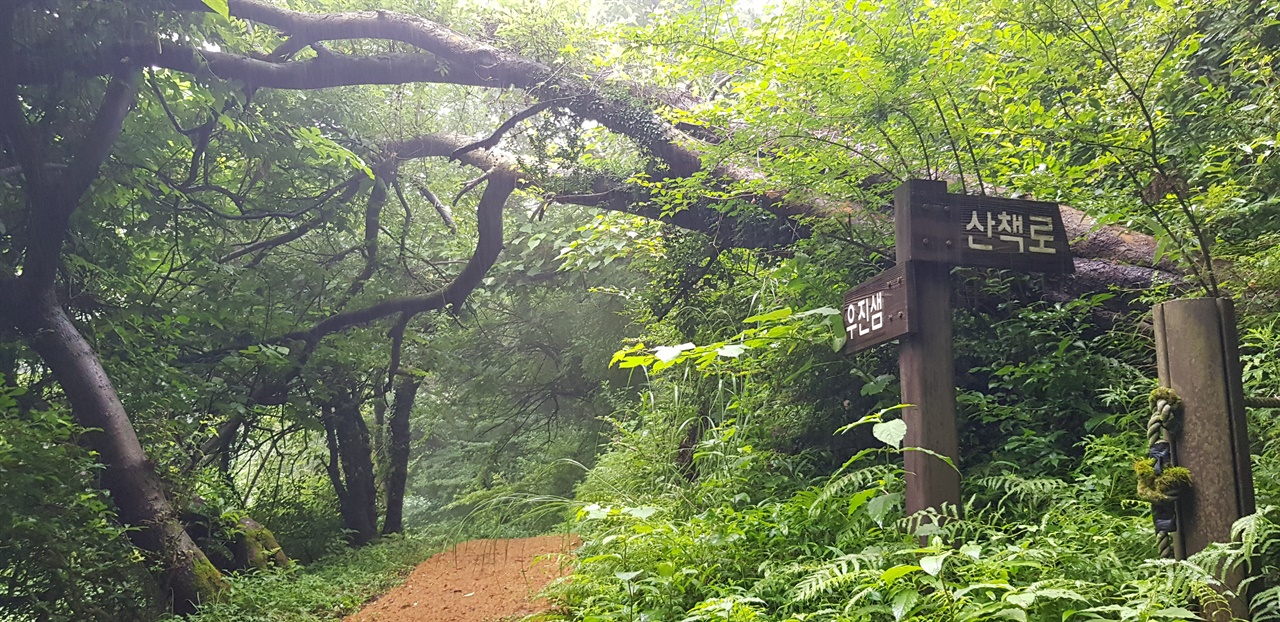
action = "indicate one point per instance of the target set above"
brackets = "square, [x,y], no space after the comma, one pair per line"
[351,468]
[398,453]
[186,575]
[256,547]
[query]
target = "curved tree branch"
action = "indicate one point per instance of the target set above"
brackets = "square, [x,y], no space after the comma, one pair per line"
[502,180]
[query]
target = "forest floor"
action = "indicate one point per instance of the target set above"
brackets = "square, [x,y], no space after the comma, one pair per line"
[476,581]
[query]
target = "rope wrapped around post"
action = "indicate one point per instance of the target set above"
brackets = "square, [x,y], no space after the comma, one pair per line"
[1262,402]
[1160,482]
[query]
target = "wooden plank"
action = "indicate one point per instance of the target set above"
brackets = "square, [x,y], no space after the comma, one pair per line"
[878,310]
[927,369]
[985,232]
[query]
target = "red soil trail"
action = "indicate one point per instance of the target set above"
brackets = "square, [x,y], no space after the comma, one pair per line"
[478,581]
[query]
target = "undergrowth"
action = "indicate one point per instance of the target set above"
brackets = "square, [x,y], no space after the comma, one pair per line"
[730,527]
[328,589]
[842,550]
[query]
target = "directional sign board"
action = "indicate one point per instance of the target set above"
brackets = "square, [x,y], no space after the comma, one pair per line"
[878,310]
[984,232]
[935,230]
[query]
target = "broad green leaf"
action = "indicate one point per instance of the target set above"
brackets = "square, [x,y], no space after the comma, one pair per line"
[665,569]
[819,311]
[890,432]
[1059,593]
[897,572]
[642,512]
[879,507]
[220,7]
[860,499]
[666,354]
[932,564]
[1177,613]
[732,351]
[904,602]
[1012,614]
[776,314]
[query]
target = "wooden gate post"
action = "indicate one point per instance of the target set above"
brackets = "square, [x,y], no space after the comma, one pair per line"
[926,364]
[1197,353]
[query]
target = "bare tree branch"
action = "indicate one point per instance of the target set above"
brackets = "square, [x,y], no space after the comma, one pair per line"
[445,212]
[492,140]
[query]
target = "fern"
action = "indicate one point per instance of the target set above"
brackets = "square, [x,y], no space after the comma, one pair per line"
[839,572]
[1029,493]
[854,480]
[1265,605]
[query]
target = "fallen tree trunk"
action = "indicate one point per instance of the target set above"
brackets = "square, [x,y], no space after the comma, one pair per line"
[775,218]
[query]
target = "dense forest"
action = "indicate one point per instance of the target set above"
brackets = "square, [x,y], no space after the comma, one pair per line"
[293,293]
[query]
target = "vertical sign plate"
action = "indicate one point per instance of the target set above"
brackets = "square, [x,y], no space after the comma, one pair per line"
[878,310]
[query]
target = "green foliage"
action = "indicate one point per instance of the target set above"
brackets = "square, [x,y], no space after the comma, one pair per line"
[1048,548]
[328,590]
[1054,412]
[62,554]
[699,462]
[841,550]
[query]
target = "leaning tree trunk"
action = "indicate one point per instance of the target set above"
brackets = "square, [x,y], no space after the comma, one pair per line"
[351,468]
[186,574]
[28,302]
[398,453]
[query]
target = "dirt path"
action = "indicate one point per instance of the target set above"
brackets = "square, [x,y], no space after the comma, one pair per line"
[478,581]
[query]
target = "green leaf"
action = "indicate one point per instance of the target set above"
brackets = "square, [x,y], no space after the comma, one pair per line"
[219,7]
[666,354]
[627,576]
[819,311]
[904,602]
[897,572]
[860,499]
[932,564]
[732,351]
[665,569]
[891,432]
[1012,614]
[880,507]
[1178,613]
[643,512]
[776,314]
[972,550]
[951,463]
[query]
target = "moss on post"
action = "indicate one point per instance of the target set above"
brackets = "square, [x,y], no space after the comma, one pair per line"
[1161,489]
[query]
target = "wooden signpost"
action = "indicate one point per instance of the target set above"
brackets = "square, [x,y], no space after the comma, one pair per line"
[933,232]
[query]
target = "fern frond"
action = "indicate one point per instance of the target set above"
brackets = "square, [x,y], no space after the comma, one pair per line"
[855,480]
[837,573]
[1265,606]
[1028,493]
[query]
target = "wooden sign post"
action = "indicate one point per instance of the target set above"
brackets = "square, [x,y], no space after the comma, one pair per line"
[933,232]
[1197,356]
